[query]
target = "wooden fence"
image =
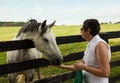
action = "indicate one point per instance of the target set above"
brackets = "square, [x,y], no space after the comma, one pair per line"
[35,63]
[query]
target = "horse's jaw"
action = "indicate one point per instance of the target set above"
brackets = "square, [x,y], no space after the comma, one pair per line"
[54,60]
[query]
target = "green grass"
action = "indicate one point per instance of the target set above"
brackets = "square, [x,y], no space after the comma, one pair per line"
[110,27]
[2,57]
[7,33]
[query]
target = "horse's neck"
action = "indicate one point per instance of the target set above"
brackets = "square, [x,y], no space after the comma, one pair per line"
[23,36]
[26,54]
[31,53]
[23,54]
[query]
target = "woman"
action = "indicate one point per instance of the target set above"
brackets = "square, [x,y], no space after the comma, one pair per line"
[95,63]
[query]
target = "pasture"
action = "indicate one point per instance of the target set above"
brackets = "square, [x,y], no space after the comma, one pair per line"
[7,33]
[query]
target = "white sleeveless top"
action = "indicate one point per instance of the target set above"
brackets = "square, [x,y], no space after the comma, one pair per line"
[90,59]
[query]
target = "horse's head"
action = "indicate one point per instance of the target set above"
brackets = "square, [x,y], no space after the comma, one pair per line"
[46,43]
[43,40]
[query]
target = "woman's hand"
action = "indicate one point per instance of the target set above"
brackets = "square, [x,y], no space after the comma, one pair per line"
[79,65]
[60,66]
[69,67]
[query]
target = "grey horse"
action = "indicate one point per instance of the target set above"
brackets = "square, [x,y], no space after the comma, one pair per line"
[44,41]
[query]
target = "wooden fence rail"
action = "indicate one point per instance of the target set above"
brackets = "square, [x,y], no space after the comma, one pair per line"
[35,63]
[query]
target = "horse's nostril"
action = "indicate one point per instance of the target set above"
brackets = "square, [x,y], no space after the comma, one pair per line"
[56,62]
[59,61]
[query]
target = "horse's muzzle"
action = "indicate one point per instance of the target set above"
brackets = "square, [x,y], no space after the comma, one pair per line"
[57,62]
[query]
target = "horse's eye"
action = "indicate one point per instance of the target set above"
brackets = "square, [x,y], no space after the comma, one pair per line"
[46,40]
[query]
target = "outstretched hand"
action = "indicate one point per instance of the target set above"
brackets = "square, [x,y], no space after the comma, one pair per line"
[79,65]
[61,66]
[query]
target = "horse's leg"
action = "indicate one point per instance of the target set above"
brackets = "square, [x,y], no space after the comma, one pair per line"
[29,75]
[38,73]
[12,78]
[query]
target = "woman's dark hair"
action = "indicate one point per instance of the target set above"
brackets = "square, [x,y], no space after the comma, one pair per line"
[94,26]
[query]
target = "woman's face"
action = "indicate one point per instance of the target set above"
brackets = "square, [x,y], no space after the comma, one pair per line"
[85,33]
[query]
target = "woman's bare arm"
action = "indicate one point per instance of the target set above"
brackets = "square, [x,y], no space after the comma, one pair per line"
[103,61]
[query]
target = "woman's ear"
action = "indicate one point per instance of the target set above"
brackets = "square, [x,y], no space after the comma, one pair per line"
[88,30]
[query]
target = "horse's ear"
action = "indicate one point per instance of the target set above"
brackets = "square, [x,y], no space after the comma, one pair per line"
[51,25]
[43,27]
[43,23]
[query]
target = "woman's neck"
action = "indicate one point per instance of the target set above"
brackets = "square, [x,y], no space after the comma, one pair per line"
[89,38]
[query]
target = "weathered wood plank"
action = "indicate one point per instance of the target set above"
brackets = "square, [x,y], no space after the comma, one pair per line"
[25,65]
[115,48]
[114,79]
[113,34]
[16,44]
[58,78]
[35,63]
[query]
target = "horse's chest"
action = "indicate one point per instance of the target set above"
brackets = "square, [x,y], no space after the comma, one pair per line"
[24,55]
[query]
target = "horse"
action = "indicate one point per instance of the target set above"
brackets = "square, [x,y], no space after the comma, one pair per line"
[44,42]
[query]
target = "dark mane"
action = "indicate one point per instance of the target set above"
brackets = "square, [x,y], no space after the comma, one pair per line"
[31,26]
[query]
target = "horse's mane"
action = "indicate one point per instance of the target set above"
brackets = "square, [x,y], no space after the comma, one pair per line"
[31,26]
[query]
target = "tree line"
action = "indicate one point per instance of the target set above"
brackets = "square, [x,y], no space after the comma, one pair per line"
[22,23]
[11,23]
